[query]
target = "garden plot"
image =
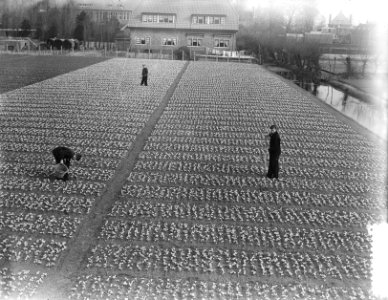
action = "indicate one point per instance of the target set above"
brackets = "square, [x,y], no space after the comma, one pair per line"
[97,111]
[198,219]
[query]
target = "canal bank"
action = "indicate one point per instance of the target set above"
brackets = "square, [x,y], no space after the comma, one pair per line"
[365,108]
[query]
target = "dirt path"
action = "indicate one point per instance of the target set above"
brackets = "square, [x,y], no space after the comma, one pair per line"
[58,279]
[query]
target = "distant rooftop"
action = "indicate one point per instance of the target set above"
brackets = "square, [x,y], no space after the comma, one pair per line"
[341,19]
[107,5]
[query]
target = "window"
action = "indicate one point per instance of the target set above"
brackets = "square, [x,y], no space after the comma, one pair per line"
[143,40]
[194,41]
[221,43]
[208,19]
[169,42]
[155,18]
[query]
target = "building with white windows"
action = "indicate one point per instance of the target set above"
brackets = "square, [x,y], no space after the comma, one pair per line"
[201,25]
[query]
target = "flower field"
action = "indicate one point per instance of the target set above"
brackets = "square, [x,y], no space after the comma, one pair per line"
[98,111]
[194,216]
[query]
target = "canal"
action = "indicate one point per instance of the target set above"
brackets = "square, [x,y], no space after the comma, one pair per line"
[371,116]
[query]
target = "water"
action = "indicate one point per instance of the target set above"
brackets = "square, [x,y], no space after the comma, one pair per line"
[370,116]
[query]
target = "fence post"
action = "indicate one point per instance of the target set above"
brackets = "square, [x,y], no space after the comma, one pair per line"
[194,55]
[183,55]
[172,54]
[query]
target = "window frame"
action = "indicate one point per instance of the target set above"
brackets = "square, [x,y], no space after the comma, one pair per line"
[157,18]
[173,40]
[208,19]
[194,39]
[147,40]
[221,43]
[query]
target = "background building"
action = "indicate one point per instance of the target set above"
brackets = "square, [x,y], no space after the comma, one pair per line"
[103,11]
[201,25]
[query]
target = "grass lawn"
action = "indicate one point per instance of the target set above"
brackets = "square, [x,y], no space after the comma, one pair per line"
[20,70]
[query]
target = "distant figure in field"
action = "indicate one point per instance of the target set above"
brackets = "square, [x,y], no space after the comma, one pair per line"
[274,153]
[345,99]
[63,156]
[144,76]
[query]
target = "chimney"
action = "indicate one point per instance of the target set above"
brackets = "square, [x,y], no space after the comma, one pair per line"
[329,19]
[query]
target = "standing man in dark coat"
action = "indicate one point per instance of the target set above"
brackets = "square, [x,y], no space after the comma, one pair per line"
[65,155]
[274,153]
[144,76]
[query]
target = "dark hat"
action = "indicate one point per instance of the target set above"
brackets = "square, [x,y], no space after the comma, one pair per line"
[273,126]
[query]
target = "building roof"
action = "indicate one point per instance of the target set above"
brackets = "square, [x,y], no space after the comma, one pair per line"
[341,19]
[183,10]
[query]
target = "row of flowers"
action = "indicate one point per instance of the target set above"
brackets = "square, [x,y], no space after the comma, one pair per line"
[28,184]
[31,223]
[252,197]
[19,285]
[45,202]
[94,162]
[243,213]
[297,151]
[34,170]
[219,261]
[39,251]
[259,158]
[253,169]
[257,181]
[227,235]
[117,287]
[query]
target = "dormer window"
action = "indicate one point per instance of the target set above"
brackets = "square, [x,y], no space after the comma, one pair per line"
[207,19]
[158,18]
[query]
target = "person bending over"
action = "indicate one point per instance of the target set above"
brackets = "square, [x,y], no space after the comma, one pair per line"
[64,155]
